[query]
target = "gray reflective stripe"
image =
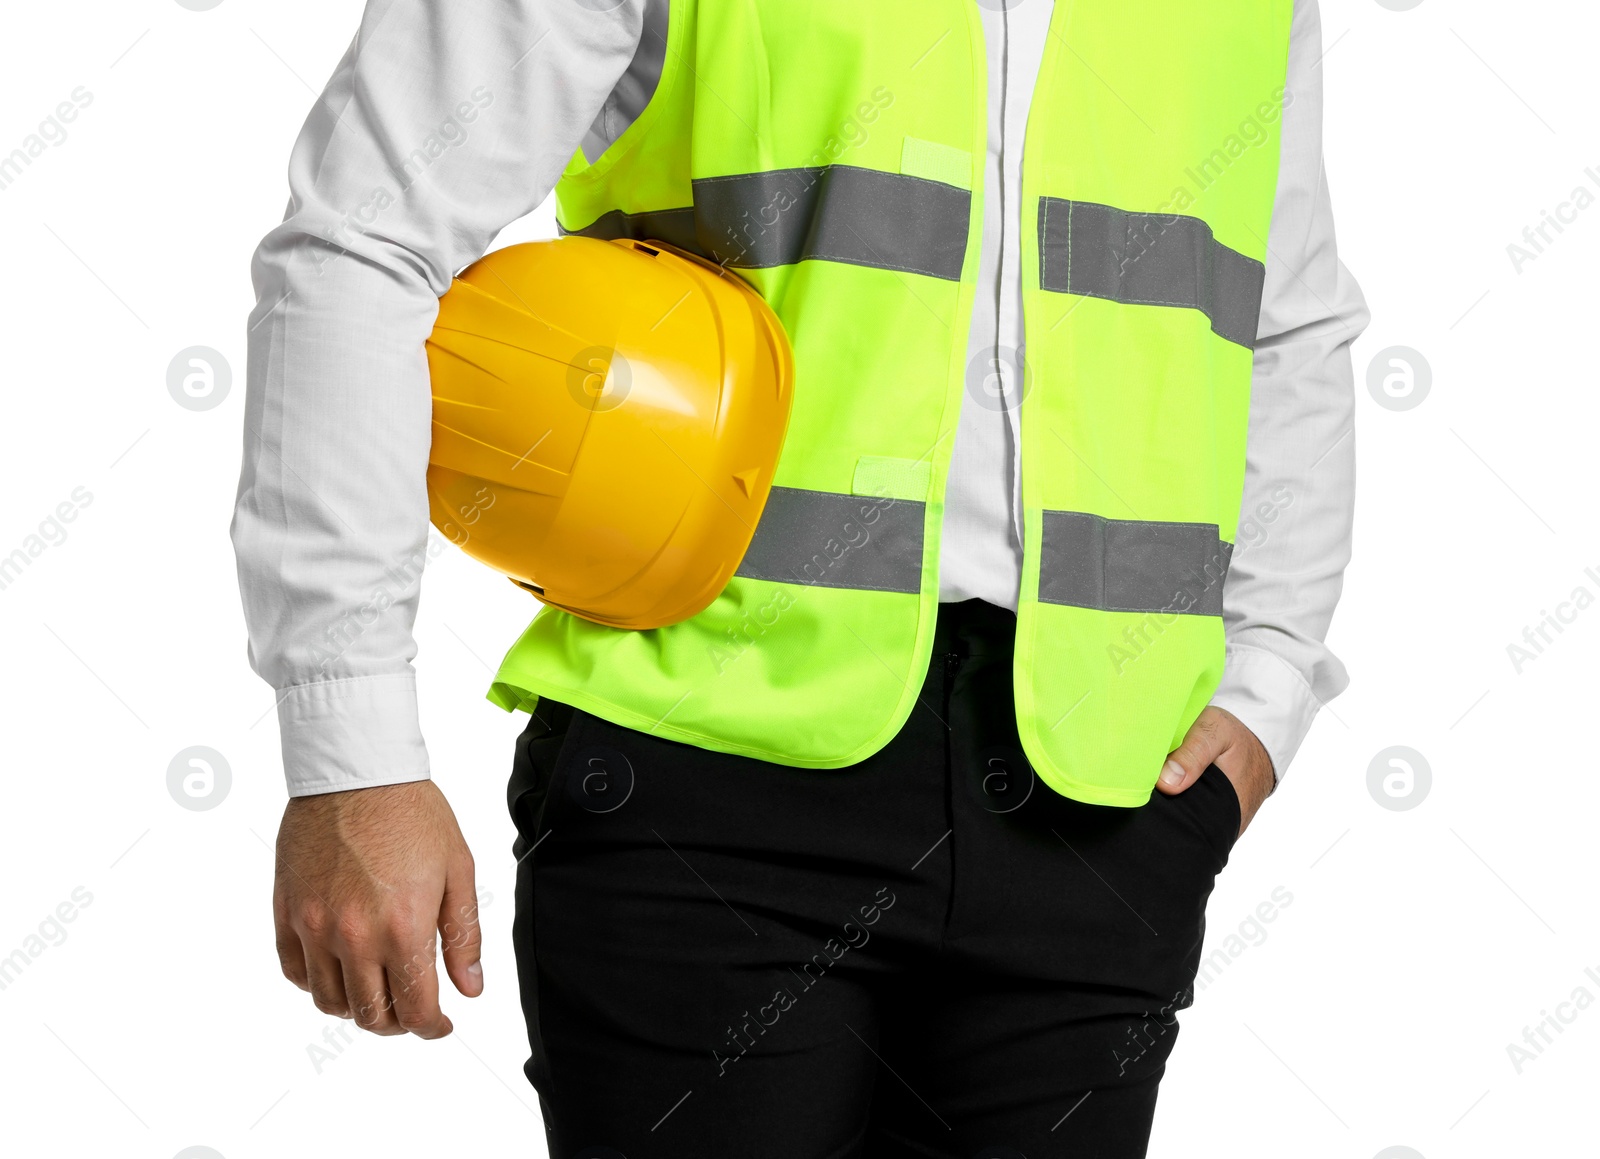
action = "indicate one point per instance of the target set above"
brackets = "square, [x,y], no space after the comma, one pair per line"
[673,226]
[835,213]
[1126,565]
[1153,259]
[821,539]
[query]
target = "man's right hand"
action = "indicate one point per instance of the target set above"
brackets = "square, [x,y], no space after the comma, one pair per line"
[365,878]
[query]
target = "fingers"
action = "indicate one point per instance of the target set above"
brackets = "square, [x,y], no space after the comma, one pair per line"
[387,982]
[1201,746]
[371,1005]
[291,955]
[459,931]
[414,987]
[325,978]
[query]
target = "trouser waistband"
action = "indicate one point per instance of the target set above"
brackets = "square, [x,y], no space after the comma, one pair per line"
[974,628]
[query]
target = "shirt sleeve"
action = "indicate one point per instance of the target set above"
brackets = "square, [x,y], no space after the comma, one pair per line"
[1295,523]
[445,121]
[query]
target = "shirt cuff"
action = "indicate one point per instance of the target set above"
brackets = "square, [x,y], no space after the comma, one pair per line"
[356,733]
[1270,698]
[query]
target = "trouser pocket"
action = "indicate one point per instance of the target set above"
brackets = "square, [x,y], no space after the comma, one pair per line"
[1219,800]
[538,756]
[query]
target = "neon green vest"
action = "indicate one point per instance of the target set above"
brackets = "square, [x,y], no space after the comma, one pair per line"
[830,152]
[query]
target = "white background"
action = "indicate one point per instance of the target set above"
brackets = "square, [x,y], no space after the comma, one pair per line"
[1375,1011]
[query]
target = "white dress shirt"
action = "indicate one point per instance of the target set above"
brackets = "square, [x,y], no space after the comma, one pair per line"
[448,119]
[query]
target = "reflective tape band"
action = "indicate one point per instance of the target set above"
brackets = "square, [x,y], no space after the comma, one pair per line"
[822,539]
[1127,565]
[834,213]
[1152,259]
[673,226]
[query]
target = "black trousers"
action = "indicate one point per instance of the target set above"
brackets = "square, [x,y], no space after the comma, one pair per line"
[930,953]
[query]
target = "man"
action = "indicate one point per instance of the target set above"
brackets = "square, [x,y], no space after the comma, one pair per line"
[865,858]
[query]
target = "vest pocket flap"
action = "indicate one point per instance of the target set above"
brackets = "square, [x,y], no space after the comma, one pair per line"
[890,478]
[936,162]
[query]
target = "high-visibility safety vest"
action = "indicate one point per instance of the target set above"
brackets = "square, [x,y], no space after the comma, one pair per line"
[831,153]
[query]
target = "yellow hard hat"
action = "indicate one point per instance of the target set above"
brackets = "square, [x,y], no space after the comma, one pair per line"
[607,417]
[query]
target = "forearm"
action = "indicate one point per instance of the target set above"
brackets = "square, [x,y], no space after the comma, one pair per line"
[330,528]
[445,121]
[1295,527]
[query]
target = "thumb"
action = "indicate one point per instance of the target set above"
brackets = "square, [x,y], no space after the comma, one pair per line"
[459,932]
[1201,746]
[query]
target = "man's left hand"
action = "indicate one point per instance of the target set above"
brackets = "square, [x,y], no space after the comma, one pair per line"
[1220,738]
